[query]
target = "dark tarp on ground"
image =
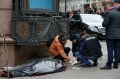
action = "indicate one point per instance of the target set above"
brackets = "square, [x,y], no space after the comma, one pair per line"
[38,66]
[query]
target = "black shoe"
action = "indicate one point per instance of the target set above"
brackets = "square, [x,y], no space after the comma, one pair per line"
[115,65]
[119,61]
[86,65]
[95,63]
[106,68]
[80,62]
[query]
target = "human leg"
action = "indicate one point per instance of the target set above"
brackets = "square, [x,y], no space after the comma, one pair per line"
[119,54]
[95,60]
[110,48]
[116,54]
[84,59]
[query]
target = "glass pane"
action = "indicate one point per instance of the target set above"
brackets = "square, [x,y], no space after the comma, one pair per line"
[41,4]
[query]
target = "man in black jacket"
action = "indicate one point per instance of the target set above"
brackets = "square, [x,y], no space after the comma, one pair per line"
[112,24]
[86,47]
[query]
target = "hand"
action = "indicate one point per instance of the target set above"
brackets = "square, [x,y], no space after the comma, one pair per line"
[67,60]
[73,61]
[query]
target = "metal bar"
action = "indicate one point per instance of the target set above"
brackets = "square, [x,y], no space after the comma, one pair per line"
[65,7]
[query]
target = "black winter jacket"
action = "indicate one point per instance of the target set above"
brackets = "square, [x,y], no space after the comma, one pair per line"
[112,24]
[92,46]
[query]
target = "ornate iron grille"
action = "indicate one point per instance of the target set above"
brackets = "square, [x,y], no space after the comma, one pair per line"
[33,28]
[37,30]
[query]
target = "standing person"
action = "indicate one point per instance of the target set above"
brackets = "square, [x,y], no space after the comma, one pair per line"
[90,11]
[112,24]
[109,7]
[75,23]
[57,49]
[100,12]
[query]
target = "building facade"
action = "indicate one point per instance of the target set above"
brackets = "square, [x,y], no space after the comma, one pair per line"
[19,20]
[5,25]
[5,16]
[82,4]
[13,54]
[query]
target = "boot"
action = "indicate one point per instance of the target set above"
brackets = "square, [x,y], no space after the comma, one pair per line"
[86,65]
[119,61]
[95,63]
[115,65]
[106,68]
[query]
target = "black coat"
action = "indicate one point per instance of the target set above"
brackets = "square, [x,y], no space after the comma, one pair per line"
[112,24]
[92,46]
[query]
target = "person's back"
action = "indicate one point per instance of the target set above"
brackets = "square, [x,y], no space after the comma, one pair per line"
[55,43]
[92,45]
[87,47]
[57,49]
[112,24]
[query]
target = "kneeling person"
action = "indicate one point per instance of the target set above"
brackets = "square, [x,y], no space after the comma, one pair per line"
[57,49]
[88,48]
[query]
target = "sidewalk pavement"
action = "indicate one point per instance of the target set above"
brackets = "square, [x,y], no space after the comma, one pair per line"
[78,72]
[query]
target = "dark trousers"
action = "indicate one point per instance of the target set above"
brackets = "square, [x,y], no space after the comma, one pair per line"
[119,53]
[66,50]
[85,59]
[113,51]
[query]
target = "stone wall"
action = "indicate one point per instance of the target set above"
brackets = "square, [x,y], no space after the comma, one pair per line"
[5,16]
[14,54]
[5,24]
[7,55]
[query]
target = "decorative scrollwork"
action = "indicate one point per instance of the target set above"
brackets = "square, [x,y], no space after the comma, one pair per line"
[37,30]
[22,29]
[30,19]
[40,26]
[64,27]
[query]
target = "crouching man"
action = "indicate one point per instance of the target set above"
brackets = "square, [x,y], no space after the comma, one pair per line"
[57,49]
[86,47]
